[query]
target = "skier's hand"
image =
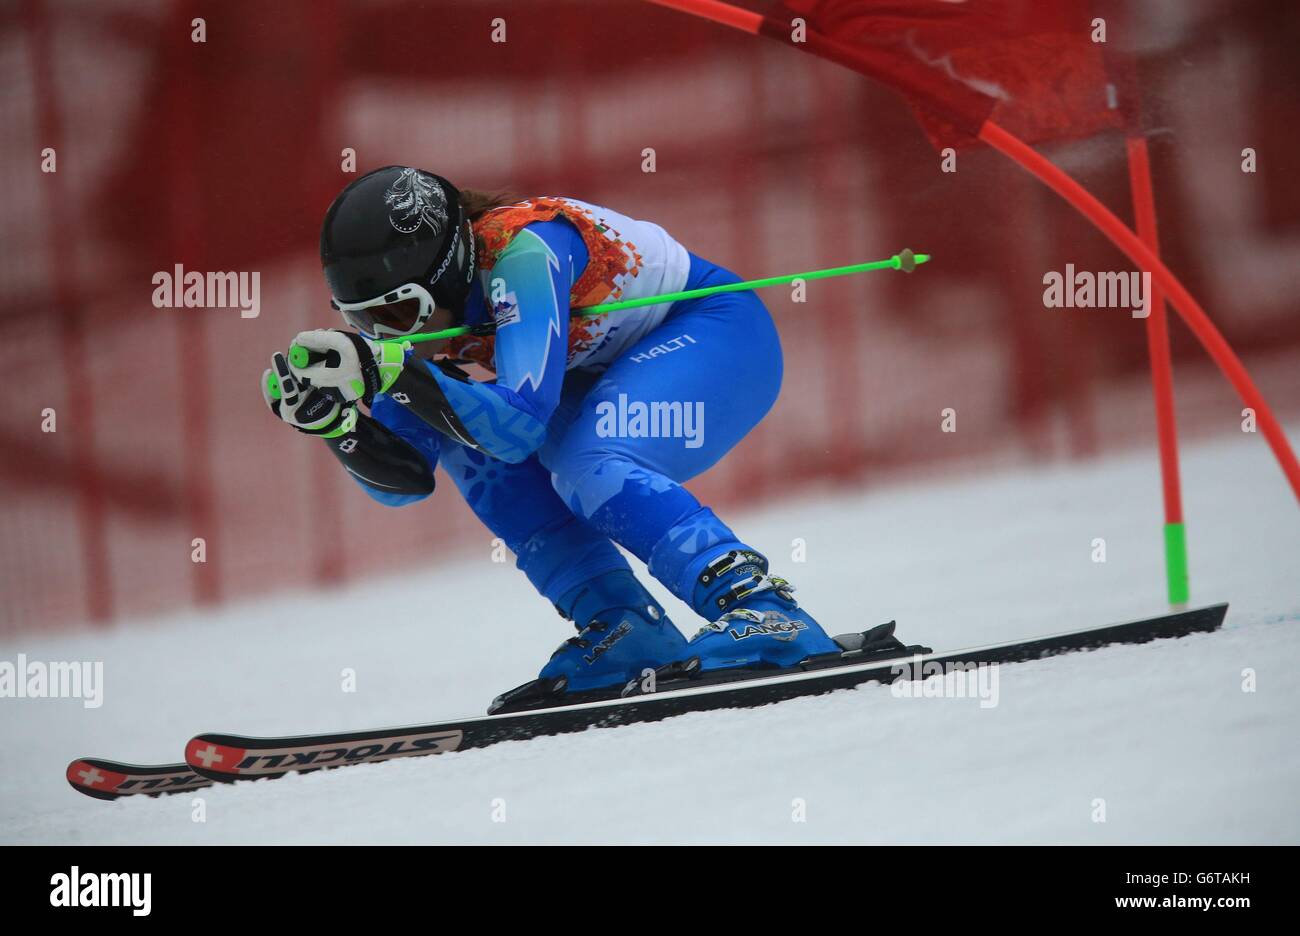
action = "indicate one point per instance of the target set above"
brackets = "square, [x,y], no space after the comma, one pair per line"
[306,408]
[350,366]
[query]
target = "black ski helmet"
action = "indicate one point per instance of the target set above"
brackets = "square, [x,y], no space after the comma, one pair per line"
[394,226]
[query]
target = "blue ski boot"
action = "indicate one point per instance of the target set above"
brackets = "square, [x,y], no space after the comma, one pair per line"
[761,625]
[622,631]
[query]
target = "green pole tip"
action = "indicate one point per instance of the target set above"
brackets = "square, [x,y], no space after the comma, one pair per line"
[907,261]
[298,356]
[1176,563]
[272,386]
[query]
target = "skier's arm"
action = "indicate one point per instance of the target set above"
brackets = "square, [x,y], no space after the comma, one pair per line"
[392,469]
[529,289]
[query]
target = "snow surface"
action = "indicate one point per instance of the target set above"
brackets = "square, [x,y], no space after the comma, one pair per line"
[1163,734]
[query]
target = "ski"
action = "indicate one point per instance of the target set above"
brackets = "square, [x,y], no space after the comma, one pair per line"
[229,757]
[110,780]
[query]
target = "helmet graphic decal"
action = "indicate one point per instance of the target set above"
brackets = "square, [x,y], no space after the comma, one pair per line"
[415,199]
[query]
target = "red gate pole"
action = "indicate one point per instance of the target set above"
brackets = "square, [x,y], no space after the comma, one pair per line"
[1084,202]
[1184,303]
[1162,377]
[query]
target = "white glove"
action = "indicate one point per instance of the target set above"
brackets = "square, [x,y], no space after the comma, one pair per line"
[308,409]
[352,367]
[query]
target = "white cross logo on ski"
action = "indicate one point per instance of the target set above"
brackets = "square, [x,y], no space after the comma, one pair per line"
[209,756]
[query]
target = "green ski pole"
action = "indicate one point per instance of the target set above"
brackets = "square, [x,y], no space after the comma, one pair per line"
[904,260]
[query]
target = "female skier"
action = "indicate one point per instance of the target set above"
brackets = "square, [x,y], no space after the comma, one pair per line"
[539,454]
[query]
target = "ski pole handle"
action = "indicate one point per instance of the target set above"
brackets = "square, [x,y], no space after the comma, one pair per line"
[272,386]
[305,357]
[302,357]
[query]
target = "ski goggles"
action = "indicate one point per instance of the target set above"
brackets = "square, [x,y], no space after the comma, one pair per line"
[395,314]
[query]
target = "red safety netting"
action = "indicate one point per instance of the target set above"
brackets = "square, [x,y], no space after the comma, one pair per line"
[1033,67]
